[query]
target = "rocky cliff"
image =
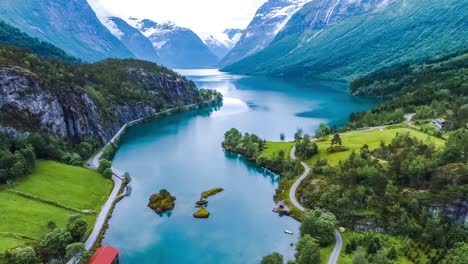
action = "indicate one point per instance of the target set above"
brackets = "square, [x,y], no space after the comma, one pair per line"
[85,106]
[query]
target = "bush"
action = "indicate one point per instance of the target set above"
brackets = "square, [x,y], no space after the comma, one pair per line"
[103,165]
[107,173]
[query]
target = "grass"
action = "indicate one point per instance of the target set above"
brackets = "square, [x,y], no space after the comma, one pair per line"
[8,242]
[325,253]
[272,148]
[69,185]
[354,140]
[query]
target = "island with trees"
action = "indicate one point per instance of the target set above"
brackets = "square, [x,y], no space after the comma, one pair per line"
[162,202]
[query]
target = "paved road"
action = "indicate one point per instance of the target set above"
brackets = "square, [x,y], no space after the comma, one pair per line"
[101,219]
[333,258]
[292,191]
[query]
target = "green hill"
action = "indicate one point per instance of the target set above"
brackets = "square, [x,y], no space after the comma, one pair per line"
[14,37]
[354,42]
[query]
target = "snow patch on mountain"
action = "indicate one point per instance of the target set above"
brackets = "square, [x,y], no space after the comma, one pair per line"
[221,43]
[269,19]
[113,28]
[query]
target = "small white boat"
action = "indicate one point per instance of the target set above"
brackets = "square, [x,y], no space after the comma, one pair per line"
[289,232]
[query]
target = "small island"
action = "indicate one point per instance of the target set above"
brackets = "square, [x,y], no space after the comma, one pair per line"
[162,202]
[201,213]
[201,202]
[211,192]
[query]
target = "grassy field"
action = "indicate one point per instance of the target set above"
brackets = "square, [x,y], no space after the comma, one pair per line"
[356,139]
[272,148]
[50,179]
[68,185]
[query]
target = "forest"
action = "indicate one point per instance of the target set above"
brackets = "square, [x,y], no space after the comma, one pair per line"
[433,89]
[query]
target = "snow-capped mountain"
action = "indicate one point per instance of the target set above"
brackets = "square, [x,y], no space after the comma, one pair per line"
[220,44]
[270,18]
[344,39]
[132,38]
[177,47]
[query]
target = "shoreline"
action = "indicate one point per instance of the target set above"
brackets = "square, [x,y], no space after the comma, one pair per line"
[117,193]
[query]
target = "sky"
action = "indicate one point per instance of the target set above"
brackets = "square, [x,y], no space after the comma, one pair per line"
[202,16]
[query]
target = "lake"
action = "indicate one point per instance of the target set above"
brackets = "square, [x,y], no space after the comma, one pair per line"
[182,153]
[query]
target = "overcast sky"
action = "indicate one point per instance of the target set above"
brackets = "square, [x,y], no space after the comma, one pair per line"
[210,16]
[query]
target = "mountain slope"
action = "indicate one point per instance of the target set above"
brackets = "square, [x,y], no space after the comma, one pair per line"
[343,39]
[220,44]
[71,25]
[432,89]
[14,37]
[177,47]
[132,38]
[267,22]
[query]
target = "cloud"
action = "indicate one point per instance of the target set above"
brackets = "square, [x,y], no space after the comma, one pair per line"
[200,15]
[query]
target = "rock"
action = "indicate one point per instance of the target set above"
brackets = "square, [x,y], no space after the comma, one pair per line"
[202,202]
[162,202]
[201,213]
[70,112]
[211,192]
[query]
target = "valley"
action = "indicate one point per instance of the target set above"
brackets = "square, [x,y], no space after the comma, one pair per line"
[249,131]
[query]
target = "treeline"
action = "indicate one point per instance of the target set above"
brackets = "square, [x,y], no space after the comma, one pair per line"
[436,88]
[57,246]
[19,153]
[398,196]
[14,37]
[250,145]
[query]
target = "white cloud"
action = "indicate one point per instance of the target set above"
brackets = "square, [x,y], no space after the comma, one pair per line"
[200,15]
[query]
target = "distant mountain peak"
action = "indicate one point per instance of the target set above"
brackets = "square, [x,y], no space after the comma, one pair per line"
[269,19]
[177,46]
[221,43]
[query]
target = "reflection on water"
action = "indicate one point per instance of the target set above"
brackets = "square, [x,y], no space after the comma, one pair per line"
[182,153]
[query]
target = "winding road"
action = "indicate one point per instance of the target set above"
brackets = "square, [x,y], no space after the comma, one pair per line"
[333,258]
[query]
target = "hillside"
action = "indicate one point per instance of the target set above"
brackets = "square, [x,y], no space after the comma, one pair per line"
[78,101]
[346,39]
[433,89]
[14,37]
[70,25]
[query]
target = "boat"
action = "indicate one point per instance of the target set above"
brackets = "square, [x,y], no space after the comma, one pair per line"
[289,232]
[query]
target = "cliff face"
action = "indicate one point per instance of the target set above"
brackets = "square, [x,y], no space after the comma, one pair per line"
[28,104]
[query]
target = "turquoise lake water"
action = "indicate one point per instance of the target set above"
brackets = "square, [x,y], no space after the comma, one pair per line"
[182,153]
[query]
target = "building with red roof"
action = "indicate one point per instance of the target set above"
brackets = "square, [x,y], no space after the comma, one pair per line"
[105,255]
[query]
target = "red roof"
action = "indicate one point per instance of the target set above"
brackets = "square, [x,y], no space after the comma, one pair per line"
[104,255]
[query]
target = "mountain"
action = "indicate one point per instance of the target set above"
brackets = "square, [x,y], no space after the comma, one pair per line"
[177,47]
[335,39]
[12,36]
[267,22]
[220,44]
[79,101]
[71,25]
[132,38]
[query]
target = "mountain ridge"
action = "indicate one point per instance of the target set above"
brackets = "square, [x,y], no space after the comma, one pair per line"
[358,44]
